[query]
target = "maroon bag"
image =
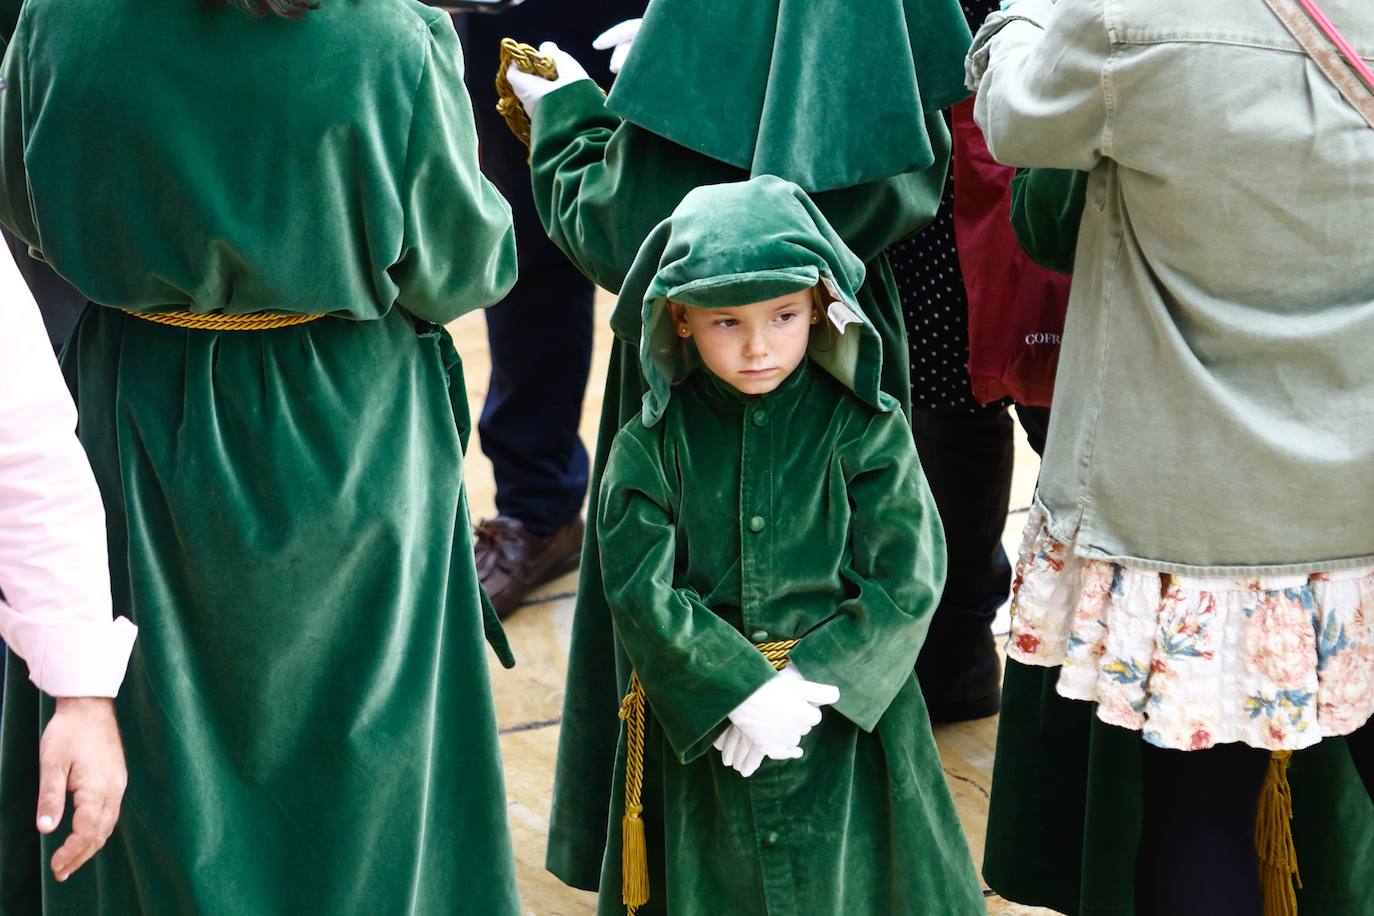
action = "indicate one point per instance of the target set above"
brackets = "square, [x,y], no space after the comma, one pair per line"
[1015,307]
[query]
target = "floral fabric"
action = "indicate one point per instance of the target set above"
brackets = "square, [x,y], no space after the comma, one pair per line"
[1275,662]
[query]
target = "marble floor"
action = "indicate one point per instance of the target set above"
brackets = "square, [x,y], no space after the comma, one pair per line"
[529,698]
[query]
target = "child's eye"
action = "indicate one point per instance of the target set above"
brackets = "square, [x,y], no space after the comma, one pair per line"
[726,322]
[786,316]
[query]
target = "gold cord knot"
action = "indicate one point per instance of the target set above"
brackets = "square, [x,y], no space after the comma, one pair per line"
[529,60]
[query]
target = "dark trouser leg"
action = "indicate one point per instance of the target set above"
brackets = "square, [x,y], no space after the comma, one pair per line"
[1361,744]
[1197,844]
[1036,422]
[541,342]
[541,334]
[967,457]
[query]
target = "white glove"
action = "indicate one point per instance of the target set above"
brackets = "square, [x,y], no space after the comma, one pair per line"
[618,39]
[778,714]
[739,752]
[530,88]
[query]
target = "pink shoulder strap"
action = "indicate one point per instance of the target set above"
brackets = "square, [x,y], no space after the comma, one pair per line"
[1329,49]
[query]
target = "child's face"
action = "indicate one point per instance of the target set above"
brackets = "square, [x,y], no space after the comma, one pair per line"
[752,347]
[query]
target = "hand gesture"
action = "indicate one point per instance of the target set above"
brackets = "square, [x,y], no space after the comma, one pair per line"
[618,39]
[777,715]
[80,753]
[530,88]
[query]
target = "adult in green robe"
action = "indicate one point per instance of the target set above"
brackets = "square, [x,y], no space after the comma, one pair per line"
[1065,815]
[713,92]
[728,520]
[307,715]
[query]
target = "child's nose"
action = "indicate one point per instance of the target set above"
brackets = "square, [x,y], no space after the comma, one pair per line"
[756,344]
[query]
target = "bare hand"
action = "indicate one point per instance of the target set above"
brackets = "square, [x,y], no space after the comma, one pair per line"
[81,753]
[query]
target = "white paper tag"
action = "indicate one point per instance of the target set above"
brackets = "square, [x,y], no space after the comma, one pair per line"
[841,316]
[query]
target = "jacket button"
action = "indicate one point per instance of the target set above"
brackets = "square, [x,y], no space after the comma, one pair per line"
[757,524]
[760,418]
[771,839]
[760,636]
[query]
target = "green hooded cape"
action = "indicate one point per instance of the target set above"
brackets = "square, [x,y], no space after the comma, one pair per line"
[728,520]
[825,93]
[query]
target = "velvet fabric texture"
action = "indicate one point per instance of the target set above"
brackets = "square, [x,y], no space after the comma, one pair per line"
[824,93]
[733,244]
[307,716]
[243,164]
[601,185]
[726,520]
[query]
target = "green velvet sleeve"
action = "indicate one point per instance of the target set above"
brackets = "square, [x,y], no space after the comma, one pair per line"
[15,212]
[601,185]
[1046,210]
[896,572]
[458,252]
[695,667]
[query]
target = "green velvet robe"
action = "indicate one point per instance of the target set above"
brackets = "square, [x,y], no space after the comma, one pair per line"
[601,185]
[307,715]
[1064,819]
[727,520]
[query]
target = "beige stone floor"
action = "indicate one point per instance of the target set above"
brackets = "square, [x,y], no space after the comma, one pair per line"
[529,697]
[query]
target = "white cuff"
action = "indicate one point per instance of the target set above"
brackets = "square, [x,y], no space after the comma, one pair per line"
[71,658]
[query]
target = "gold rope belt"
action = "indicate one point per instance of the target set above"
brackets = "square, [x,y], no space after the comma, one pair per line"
[215,321]
[634,854]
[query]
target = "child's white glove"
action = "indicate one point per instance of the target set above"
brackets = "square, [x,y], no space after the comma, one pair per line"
[738,752]
[778,714]
[530,88]
[618,39]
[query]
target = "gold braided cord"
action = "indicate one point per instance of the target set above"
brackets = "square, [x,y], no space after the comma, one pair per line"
[215,321]
[777,652]
[634,853]
[1274,840]
[508,106]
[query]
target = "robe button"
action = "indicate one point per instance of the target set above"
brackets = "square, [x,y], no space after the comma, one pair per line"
[757,524]
[760,418]
[760,636]
[771,839]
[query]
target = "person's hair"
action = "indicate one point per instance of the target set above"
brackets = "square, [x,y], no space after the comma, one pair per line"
[287,9]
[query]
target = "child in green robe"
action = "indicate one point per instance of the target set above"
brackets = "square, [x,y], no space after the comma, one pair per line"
[716,91]
[768,499]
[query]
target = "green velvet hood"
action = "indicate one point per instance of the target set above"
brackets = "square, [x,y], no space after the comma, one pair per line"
[824,93]
[743,242]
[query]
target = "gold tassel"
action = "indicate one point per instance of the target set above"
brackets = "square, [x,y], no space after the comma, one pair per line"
[634,850]
[634,854]
[1274,840]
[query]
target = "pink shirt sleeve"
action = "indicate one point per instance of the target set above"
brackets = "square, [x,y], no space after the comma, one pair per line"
[54,569]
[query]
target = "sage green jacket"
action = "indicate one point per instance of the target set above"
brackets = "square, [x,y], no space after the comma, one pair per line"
[601,185]
[307,715]
[727,520]
[1212,412]
[1072,784]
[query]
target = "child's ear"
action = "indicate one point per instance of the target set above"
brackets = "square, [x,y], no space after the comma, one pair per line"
[678,313]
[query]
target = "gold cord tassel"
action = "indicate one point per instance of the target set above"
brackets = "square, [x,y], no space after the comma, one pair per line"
[634,854]
[1274,840]
[508,106]
[634,850]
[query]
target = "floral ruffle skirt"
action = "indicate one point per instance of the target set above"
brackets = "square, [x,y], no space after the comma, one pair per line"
[1275,662]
